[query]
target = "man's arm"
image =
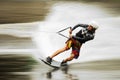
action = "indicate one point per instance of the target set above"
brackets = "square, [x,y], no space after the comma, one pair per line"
[80,25]
[86,38]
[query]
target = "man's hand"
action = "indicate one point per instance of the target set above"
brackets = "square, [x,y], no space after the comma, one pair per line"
[70,33]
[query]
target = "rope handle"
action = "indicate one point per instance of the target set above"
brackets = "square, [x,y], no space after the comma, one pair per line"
[59,32]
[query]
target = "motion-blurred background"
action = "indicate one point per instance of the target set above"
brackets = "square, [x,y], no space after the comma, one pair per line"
[19,19]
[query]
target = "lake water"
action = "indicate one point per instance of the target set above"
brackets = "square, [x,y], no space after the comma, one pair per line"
[22,44]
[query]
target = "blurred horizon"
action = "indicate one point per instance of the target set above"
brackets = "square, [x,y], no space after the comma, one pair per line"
[20,11]
[19,53]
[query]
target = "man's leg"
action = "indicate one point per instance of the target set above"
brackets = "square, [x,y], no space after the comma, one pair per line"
[63,63]
[67,47]
[75,51]
[58,52]
[69,58]
[49,59]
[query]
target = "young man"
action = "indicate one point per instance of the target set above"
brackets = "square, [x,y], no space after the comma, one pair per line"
[75,42]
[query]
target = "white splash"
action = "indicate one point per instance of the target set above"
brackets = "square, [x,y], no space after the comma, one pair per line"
[105,45]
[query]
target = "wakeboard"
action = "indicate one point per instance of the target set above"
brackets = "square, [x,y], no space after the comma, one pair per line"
[54,63]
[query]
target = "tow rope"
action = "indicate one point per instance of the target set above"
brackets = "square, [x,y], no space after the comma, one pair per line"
[59,32]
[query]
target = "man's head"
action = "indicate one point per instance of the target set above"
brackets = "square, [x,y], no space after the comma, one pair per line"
[93,25]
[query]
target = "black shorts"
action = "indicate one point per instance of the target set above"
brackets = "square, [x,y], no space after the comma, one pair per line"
[76,45]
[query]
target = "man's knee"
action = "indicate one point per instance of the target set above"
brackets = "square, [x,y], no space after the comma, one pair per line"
[71,58]
[67,48]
